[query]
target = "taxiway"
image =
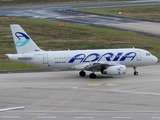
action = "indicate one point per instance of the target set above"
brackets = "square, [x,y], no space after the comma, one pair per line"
[65,95]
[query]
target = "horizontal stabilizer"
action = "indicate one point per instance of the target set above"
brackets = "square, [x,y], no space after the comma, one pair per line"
[19,56]
[24,57]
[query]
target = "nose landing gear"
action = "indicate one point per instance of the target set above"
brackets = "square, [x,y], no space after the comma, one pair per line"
[135,72]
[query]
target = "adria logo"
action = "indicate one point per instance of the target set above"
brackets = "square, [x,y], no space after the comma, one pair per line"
[23,39]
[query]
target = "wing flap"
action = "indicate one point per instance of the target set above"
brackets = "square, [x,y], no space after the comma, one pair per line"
[98,66]
[91,66]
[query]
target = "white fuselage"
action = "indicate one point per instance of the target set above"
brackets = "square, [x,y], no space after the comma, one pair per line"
[65,60]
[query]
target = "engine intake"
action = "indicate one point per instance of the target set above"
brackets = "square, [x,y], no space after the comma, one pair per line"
[114,70]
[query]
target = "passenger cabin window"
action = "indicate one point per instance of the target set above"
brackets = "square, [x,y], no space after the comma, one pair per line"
[148,54]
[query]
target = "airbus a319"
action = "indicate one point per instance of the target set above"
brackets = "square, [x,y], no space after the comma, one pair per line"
[106,61]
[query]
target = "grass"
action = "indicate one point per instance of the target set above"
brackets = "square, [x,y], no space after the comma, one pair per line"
[147,12]
[49,36]
[7,65]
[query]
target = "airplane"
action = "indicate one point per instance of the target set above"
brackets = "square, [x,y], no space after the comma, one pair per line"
[106,61]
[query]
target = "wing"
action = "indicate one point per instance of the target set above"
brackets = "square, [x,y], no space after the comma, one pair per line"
[97,66]
[109,68]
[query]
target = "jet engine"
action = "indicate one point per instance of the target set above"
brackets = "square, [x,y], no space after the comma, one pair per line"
[114,70]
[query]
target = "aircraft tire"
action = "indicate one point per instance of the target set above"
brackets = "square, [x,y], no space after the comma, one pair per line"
[92,76]
[82,73]
[135,73]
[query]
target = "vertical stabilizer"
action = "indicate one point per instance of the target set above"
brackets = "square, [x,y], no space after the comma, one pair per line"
[23,42]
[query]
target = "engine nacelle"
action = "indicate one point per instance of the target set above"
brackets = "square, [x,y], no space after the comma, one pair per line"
[114,70]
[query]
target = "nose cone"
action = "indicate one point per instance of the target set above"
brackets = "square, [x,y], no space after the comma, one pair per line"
[155,59]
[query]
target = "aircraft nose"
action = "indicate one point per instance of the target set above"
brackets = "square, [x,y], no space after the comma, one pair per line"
[155,59]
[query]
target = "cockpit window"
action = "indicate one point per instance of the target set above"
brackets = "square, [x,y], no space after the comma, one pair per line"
[148,54]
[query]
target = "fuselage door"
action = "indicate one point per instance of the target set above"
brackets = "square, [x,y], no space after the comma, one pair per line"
[45,58]
[138,55]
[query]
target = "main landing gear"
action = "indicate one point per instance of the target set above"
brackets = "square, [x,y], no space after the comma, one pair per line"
[82,74]
[92,75]
[135,72]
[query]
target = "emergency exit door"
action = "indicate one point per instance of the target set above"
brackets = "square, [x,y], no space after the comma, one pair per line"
[45,58]
[138,55]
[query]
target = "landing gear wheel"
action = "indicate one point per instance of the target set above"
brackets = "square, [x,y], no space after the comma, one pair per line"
[82,73]
[92,75]
[135,73]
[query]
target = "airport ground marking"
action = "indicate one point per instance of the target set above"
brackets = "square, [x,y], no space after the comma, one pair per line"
[14,108]
[10,117]
[122,117]
[47,117]
[112,85]
[59,105]
[94,84]
[84,117]
[74,88]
